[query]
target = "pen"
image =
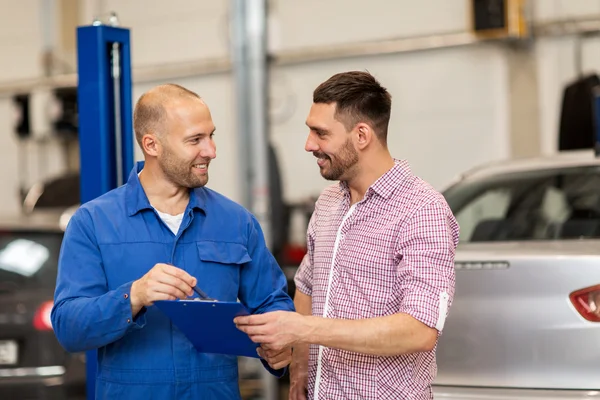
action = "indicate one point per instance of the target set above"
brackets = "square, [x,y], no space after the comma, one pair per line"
[200,293]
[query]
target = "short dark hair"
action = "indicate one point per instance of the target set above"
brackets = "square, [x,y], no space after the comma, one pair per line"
[359,98]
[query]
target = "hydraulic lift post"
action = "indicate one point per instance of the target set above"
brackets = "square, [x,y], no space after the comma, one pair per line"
[105,121]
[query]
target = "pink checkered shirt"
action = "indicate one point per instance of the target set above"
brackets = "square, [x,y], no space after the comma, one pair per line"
[393,252]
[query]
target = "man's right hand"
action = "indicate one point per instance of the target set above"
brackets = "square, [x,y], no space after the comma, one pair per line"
[162,282]
[299,373]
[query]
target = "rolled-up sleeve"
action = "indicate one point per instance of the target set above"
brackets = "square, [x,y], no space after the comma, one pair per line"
[426,250]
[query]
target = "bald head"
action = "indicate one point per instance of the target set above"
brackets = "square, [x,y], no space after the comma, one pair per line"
[151,111]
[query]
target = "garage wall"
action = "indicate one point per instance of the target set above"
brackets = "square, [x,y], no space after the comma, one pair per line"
[453,108]
[441,98]
[20,44]
[27,27]
[20,39]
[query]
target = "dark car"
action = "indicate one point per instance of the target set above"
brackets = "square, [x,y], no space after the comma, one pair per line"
[33,365]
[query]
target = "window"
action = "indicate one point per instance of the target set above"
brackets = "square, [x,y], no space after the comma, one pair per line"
[533,205]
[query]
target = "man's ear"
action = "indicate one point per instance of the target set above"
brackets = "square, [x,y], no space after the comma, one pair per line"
[150,144]
[364,134]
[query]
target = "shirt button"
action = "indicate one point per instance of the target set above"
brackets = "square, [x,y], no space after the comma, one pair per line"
[128,320]
[125,295]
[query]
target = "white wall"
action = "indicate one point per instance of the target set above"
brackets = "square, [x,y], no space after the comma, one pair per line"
[548,10]
[20,39]
[311,22]
[163,32]
[450,106]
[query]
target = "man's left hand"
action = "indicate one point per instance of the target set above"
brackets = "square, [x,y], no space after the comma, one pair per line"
[275,330]
[276,359]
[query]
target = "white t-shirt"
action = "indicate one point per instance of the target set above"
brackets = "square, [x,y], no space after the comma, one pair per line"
[172,221]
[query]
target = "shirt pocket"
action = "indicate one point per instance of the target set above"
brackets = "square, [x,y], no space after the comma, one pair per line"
[220,268]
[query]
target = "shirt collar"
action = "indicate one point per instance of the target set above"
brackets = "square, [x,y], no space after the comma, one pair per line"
[387,183]
[136,199]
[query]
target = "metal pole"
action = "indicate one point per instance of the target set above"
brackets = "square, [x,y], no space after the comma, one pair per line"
[256,35]
[240,83]
[116,81]
[249,56]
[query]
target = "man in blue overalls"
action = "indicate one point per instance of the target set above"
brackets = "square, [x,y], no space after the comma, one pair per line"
[153,239]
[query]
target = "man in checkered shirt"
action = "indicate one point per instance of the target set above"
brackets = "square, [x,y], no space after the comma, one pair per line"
[375,286]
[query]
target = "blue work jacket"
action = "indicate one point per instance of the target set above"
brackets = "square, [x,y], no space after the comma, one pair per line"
[116,239]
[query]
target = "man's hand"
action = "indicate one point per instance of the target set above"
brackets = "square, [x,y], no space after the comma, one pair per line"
[275,330]
[162,282]
[299,373]
[276,359]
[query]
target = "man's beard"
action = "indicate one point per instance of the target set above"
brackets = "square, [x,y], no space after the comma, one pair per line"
[339,165]
[180,172]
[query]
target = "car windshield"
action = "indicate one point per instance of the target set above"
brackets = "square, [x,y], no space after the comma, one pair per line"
[533,205]
[28,260]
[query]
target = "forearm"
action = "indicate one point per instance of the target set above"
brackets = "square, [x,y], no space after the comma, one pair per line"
[384,336]
[303,305]
[299,365]
[86,323]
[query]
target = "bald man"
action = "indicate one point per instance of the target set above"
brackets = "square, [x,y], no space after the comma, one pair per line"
[155,238]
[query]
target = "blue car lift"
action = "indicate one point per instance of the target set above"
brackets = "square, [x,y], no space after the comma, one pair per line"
[105,122]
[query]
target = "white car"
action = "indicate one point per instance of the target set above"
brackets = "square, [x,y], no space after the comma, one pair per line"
[525,321]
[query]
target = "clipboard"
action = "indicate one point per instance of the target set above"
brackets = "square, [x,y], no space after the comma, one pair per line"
[208,324]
